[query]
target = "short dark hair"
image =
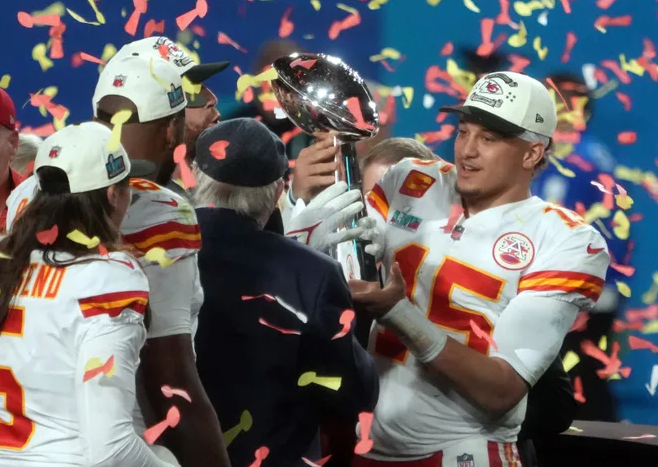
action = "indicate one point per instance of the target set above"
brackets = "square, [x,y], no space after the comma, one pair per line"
[393,150]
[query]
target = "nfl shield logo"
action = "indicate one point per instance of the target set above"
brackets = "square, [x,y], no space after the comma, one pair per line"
[457,232]
[465,460]
[54,152]
[119,81]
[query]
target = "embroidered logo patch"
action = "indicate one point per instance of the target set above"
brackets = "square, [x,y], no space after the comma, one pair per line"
[416,184]
[405,221]
[513,251]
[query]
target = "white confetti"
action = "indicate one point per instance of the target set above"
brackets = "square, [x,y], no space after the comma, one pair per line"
[543,18]
[428,101]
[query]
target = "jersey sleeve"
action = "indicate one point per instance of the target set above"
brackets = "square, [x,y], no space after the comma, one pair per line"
[564,278]
[571,269]
[19,198]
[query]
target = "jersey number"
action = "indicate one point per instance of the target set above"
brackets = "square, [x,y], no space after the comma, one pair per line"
[442,311]
[571,219]
[143,185]
[16,433]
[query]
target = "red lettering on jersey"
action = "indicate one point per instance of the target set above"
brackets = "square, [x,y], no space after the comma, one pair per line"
[416,184]
[41,280]
[55,283]
[570,218]
[143,185]
[16,434]
[25,291]
[14,323]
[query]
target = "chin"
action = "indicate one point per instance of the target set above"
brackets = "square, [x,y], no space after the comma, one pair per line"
[467,191]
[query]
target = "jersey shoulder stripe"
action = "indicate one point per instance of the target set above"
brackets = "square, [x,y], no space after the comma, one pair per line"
[168,236]
[377,199]
[571,282]
[114,303]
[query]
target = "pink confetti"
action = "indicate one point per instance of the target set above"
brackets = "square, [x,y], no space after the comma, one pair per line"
[261,454]
[571,42]
[218,149]
[447,49]
[170,392]
[267,297]
[153,433]
[619,326]
[578,390]
[456,212]
[276,328]
[580,324]
[346,318]
[308,64]
[635,343]
[365,443]
[151,27]
[612,362]
[286,27]
[482,335]
[90,58]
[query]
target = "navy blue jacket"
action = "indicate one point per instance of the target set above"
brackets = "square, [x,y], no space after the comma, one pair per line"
[247,365]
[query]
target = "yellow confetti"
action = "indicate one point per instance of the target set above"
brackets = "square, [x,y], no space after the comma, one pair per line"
[246,421]
[650,296]
[109,51]
[159,255]
[54,9]
[80,19]
[386,53]
[541,51]
[248,80]
[190,88]
[464,78]
[124,12]
[603,343]
[94,363]
[630,175]
[621,225]
[631,66]
[160,81]
[520,38]
[118,119]
[331,382]
[4,255]
[39,54]
[623,289]
[407,96]
[348,9]
[99,16]
[576,429]
[433,2]
[376,4]
[316,4]
[615,376]
[80,238]
[61,123]
[308,36]
[624,201]
[563,170]
[571,359]
[471,6]
[4,82]
[266,96]
[651,327]
[526,9]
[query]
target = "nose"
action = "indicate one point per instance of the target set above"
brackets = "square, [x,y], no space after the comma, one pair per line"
[467,147]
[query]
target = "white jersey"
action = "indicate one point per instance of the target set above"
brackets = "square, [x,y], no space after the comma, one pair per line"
[157,218]
[467,274]
[64,323]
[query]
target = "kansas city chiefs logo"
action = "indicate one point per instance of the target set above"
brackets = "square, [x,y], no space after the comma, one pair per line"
[119,81]
[490,87]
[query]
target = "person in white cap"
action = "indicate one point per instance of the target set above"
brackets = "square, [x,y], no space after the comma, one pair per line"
[201,111]
[484,282]
[73,328]
[162,227]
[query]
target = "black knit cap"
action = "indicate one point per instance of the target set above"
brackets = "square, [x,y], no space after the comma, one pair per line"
[254,156]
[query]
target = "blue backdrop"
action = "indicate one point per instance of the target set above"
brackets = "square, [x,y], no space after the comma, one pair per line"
[417,30]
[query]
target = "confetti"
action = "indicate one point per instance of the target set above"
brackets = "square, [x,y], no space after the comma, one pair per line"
[447,49]
[623,288]
[224,39]
[471,6]
[580,323]
[153,433]
[159,255]
[187,176]
[578,390]
[308,64]
[90,58]
[541,51]
[286,27]
[571,42]
[331,382]
[604,4]
[482,335]
[520,38]
[627,137]
[346,318]
[575,429]
[95,367]
[28,21]
[80,19]
[571,359]
[526,9]
[151,27]
[39,53]
[653,382]
[218,149]
[48,237]
[244,425]
[170,392]
[635,343]
[456,212]
[619,326]
[316,4]
[486,31]
[118,119]
[386,52]
[566,5]
[260,454]
[612,362]
[276,328]
[354,19]
[602,22]
[140,8]
[365,443]
[560,168]
[80,238]
[245,81]
[319,463]
[184,20]
[621,225]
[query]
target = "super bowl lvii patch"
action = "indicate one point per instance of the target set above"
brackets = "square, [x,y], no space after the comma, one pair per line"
[405,221]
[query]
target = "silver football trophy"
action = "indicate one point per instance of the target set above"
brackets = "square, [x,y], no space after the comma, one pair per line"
[321,93]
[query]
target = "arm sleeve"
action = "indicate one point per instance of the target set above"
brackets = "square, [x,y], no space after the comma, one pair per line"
[173,293]
[561,280]
[105,403]
[342,357]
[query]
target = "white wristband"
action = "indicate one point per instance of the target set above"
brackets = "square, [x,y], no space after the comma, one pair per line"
[422,337]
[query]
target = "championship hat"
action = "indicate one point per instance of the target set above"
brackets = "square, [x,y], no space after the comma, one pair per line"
[152,84]
[163,47]
[510,103]
[80,151]
[7,111]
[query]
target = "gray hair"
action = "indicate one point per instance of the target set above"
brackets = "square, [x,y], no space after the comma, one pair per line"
[255,202]
[28,146]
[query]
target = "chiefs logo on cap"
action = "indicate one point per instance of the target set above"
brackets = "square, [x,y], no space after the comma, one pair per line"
[416,184]
[490,87]
[54,152]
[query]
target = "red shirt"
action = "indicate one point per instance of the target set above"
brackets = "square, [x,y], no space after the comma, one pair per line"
[14,180]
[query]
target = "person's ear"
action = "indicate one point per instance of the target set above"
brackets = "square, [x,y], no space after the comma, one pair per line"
[14,140]
[175,132]
[113,196]
[533,155]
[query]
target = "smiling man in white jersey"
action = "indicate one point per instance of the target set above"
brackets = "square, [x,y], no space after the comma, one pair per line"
[158,218]
[485,281]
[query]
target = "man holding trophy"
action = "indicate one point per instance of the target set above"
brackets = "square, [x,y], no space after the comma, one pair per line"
[484,280]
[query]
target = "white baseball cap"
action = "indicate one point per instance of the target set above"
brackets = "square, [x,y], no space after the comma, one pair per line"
[163,47]
[510,103]
[80,151]
[152,84]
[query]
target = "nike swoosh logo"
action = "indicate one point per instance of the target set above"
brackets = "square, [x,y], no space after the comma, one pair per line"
[172,202]
[593,251]
[125,263]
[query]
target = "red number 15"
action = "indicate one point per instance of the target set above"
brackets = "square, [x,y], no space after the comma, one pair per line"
[442,311]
